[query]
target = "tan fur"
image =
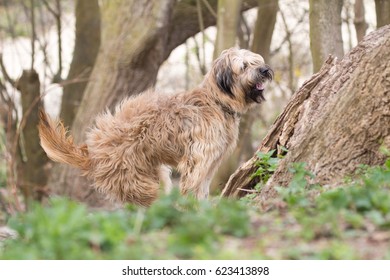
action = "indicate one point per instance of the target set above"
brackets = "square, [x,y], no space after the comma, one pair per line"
[127,153]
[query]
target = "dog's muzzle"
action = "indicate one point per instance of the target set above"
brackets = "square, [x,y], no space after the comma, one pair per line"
[256,93]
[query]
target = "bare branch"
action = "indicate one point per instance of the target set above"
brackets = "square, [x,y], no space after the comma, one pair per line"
[57,14]
[211,10]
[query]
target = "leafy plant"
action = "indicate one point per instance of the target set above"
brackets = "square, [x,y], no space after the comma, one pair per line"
[266,165]
[175,226]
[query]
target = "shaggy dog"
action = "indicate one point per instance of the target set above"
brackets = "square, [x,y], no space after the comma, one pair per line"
[127,153]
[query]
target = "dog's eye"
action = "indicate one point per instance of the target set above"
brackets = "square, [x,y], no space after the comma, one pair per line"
[244,66]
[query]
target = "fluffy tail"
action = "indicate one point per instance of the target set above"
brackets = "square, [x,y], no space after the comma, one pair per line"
[59,146]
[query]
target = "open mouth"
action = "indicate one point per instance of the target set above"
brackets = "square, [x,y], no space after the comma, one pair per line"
[256,93]
[260,86]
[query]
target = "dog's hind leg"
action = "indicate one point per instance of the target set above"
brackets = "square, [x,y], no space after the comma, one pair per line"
[127,184]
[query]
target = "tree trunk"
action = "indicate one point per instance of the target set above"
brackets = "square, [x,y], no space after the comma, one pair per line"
[86,48]
[264,28]
[335,122]
[325,30]
[137,36]
[32,176]
[382,8]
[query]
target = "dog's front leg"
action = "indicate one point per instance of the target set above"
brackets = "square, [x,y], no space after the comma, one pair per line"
[195,183]
[165,178]
[196,180]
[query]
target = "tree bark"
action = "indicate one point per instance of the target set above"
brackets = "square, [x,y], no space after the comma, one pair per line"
[86,48]
[325,30]
[336,121]
[137,36]
[382,8]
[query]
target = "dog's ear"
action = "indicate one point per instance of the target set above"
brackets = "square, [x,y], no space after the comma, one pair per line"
[224,76]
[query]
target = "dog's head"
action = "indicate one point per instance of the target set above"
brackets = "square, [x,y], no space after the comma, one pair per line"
[242,75]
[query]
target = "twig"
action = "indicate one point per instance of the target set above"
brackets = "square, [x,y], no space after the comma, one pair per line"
[201,27]
[291,54]
[301,19]
[5,73]
[247,190]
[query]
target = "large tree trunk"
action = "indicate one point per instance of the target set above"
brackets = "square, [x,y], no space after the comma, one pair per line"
[132,37]
[137,36]
[325,30]
[86,48]
[335,122]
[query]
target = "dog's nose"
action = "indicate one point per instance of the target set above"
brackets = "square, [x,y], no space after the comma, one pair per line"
[267,72]
[264,71]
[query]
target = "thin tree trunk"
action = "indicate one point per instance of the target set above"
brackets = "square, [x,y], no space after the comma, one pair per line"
[227,24]
[32,176]
[359,21]
[264,28]
[325,30]
[382,8]
[338,120]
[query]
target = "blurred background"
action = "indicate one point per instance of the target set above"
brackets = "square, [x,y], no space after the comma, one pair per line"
[78,58]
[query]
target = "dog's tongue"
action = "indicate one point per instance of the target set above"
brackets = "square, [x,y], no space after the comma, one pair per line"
[260,86]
